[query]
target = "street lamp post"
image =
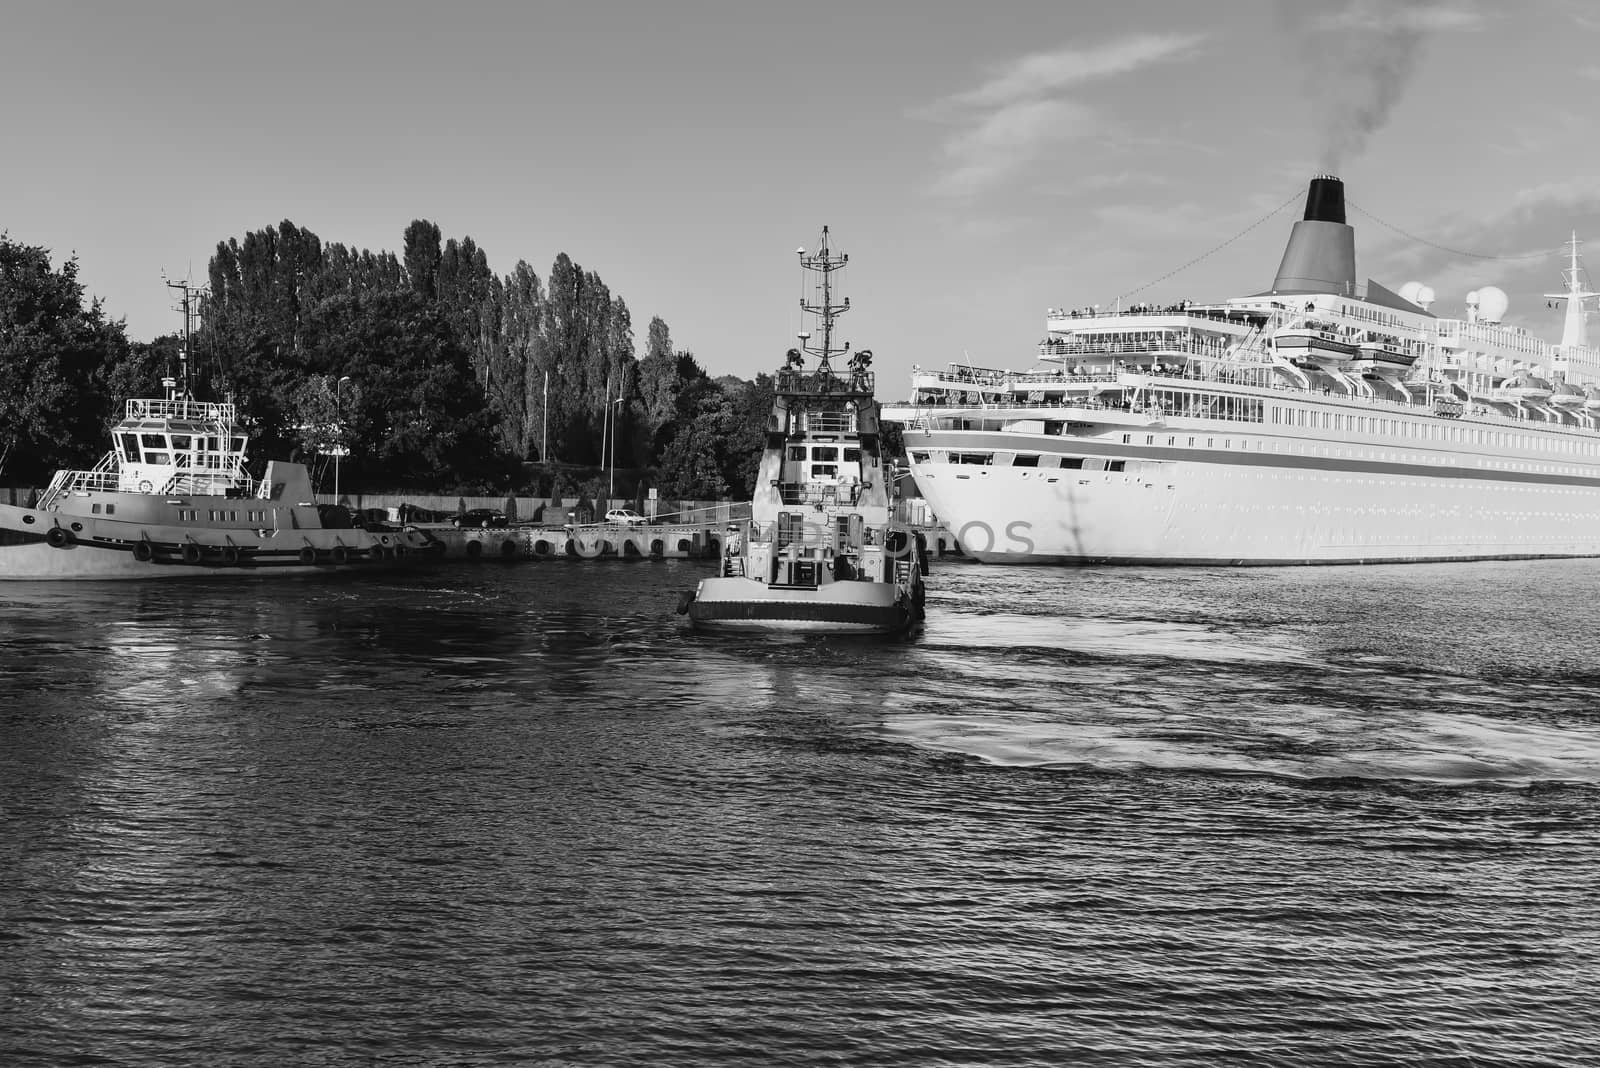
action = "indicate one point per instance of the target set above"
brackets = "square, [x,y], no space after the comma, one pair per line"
[338,449]
[618,403]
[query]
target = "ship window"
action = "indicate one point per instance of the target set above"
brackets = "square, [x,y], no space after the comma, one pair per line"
[824,470]
[153,441]
[1116,465]
[919,457]
[797,452]
[111,509]
[852,456]
[238,444]
[1025,460]
[825,452]
[157,457]
[130,447]
[180,442]
[94,509]
[1071,462]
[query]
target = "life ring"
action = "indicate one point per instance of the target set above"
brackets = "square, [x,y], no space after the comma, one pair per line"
[508,550]
[58,537]
[341,555]
[143,552]
[474,549]
[308,555]
[191,553]
[145,486]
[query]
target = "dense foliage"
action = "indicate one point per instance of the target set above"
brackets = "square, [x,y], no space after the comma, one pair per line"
[424,369]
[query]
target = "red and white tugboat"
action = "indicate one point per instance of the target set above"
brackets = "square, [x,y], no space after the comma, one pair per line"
[821,552]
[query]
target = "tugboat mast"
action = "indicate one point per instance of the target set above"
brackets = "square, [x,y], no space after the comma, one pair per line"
[189,292]
[824,263]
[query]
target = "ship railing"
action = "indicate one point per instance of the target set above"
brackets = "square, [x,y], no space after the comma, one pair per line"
[824,493]
[928,411]
[152,408]
[100,479]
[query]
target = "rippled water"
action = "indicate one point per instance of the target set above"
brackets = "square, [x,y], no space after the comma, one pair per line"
[522,816]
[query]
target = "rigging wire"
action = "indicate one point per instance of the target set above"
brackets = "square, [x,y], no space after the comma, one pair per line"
[1445,248]
[1218,248]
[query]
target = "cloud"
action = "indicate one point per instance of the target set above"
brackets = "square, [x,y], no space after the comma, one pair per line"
[1023,111]
[1516,246]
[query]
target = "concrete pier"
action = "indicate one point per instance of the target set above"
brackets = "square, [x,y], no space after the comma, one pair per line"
[607,542]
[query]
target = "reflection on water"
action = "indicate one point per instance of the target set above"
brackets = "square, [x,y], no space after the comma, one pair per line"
[522,815]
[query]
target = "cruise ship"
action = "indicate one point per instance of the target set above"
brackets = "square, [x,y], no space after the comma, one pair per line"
[1318,422]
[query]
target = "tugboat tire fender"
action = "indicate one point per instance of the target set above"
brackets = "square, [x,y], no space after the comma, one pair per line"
[474,549]
[191,553]
[340,554]
[230,554]
[508,549]
[144,552]
[308,555]
[58,537]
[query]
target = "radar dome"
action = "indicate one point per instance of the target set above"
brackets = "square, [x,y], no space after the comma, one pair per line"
[1409,291]
[1492,304]
[1423,298]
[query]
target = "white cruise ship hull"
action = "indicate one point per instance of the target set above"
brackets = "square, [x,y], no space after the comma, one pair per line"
[1287,510]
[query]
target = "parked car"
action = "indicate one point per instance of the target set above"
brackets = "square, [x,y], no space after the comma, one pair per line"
[626,516]
[480,518]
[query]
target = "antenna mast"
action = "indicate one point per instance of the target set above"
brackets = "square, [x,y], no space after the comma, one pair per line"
[824,263]
[185,306]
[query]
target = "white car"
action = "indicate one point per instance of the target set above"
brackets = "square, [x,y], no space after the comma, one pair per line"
[626,516]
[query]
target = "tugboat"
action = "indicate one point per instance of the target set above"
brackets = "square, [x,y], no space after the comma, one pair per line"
[821,552]
[172,499]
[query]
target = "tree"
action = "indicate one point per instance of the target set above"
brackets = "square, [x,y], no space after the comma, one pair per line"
[53,354]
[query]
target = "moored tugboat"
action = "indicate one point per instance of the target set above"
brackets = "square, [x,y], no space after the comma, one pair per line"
[821,551]
[172,499]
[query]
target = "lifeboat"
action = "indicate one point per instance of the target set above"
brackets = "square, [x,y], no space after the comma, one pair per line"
[1311,342]
[1566,395]
[1528,388]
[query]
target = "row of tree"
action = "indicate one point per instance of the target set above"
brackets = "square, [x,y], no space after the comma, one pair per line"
[427,368]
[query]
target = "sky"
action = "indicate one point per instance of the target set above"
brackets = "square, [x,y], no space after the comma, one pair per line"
[980,163]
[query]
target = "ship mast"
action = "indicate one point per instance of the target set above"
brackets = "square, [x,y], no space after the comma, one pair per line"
[824,263]
[189,292]
[1574,332]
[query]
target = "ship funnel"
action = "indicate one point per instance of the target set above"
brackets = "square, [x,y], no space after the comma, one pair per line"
[1321,255]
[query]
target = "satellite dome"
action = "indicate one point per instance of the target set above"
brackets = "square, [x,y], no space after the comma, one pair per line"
[1423,298]
[1492,304]
[1409,291]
